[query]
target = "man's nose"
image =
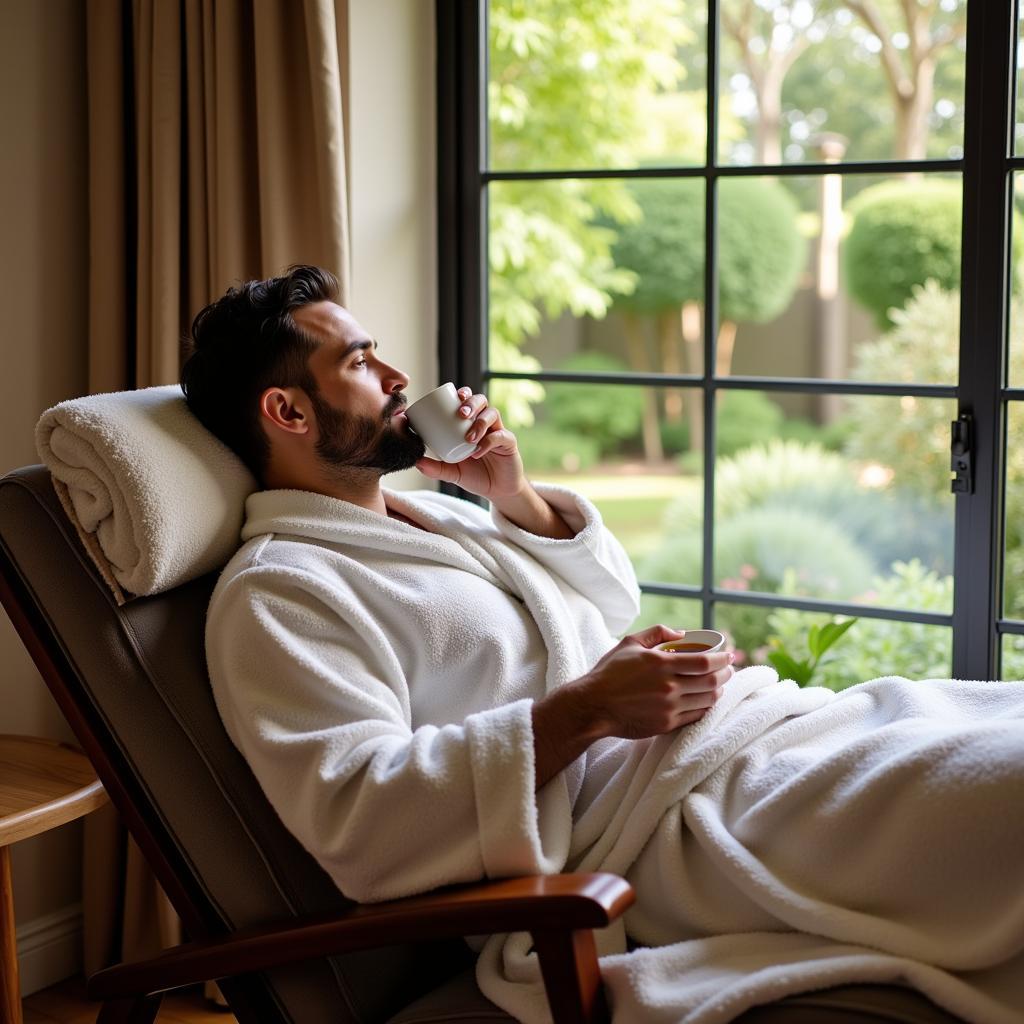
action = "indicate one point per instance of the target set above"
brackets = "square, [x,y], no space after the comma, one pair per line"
[395,380]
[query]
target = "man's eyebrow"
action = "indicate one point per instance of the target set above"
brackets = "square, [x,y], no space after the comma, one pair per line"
[357,346]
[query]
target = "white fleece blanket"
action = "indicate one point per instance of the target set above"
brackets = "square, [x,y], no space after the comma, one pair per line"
[796,839]
[156,498]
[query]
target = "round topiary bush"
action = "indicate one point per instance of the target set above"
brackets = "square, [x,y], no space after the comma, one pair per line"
[904,234]
[761,251]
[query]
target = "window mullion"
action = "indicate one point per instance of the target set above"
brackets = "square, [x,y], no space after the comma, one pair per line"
[990,30]
[710,310]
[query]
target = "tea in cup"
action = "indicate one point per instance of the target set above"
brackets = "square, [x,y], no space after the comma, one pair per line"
[695,641]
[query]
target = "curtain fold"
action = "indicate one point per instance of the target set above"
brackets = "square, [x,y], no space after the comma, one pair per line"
[216,154]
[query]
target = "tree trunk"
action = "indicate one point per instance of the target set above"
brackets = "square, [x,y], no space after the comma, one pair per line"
[670,363]
[912,112]
[768,137]
[726,343]
[639,362]
[690,321]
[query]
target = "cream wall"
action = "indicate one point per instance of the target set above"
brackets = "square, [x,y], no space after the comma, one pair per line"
[43,266]
[393,186]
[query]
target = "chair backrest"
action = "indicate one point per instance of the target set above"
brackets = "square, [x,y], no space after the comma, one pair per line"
[132,683]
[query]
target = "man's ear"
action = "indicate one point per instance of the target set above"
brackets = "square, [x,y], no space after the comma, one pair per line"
[285,409]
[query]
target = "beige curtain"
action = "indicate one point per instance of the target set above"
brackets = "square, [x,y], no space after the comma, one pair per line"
[216,154]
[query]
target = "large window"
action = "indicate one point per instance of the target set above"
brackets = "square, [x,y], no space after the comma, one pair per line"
[747,274]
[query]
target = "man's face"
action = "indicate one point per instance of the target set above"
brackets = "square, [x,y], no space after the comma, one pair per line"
[359,402]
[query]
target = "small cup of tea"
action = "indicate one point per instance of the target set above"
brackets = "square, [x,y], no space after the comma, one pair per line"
[695,641]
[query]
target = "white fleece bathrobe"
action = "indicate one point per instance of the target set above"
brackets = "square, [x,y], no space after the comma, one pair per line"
[378,679]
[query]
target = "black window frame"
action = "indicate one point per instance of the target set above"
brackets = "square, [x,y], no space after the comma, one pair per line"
[987,169]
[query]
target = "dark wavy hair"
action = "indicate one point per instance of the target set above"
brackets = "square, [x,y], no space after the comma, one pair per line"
[244,343]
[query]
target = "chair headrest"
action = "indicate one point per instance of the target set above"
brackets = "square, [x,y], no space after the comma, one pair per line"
[155,497]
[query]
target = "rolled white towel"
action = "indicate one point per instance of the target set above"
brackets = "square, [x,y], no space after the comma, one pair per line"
[157,499]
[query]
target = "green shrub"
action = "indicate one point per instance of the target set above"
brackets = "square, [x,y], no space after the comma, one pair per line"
[1013,658]
[753,475]
[545,448]
[681,613]
[760,549]
[888,525]
[912,436]
[608,414]
[880,647]
[745,418]
[675,437]
[903,234]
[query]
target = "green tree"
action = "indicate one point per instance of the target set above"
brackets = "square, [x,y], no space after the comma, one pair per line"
[911,37]
[761,253]
[839,86]
[567,80]
[767,37]
[869,70]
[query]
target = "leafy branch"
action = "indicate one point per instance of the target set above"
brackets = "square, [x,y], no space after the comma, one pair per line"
[819,640]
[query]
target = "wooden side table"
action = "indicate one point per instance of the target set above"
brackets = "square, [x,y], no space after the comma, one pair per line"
[43,784]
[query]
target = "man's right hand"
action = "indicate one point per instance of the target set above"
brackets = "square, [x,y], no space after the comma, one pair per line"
[632,692]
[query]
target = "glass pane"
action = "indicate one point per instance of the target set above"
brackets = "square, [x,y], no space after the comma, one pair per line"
[680,613]
[1013,568]
[596,275]
[837,498]
[629,450]
[840,277]
[601,84]
[1015,363]
[811,80]
[1018,128]
[1013,657]
[869,648]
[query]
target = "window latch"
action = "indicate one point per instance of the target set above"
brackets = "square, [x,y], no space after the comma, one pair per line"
[961,450]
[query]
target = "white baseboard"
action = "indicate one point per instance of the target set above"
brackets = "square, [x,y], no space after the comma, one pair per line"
[50,948]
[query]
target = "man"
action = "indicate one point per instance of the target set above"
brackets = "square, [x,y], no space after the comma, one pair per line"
[430,668]
[429,693]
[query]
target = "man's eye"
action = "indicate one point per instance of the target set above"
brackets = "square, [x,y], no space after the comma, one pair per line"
[361,361]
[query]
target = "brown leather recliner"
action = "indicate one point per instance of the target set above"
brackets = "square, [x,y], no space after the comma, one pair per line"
[261,914]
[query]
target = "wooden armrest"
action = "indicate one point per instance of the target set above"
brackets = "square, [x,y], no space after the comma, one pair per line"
[544,905]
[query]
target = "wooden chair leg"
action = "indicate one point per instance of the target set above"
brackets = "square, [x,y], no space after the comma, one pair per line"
[572,977]
[141,1010]
[10,995]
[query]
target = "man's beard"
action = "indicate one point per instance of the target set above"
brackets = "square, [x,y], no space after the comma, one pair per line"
[349,441]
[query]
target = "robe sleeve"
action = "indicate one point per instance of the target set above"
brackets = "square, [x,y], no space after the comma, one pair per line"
[314,698]
[592,563]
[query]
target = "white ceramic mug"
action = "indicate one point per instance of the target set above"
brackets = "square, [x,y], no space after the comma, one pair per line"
[714,640]
[435,418]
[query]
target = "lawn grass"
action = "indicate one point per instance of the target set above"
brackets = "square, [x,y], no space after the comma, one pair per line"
[632,504]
